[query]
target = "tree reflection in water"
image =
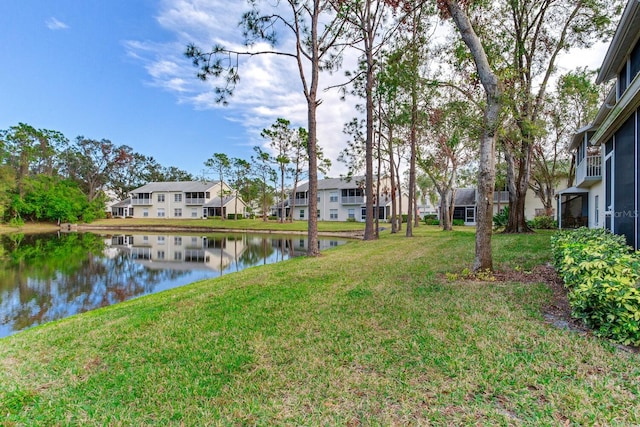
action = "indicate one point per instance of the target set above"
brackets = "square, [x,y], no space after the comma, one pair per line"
[47,277]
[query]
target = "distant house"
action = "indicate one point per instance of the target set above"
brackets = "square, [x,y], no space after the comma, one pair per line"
[466,203]
[607,190]
[342,199]
[188,199]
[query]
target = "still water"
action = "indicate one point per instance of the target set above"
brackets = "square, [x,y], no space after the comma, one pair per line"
[47,277]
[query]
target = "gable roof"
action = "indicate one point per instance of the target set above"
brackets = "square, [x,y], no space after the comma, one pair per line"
[215,202]
[625,37]
[334,183]
[181,186]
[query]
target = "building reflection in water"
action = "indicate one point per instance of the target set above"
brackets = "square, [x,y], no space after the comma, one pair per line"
[52,276]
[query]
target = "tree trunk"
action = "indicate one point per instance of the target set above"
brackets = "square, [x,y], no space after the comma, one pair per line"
[394,201]
[518,182]
[312,106]
[369,232]
[487,167]
[445,210]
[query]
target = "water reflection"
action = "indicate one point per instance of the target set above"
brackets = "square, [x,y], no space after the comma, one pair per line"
[51,276]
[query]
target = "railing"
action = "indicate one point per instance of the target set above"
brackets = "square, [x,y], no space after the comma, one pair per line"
[352,200]
[300,202]
[589,169]
[193,201]
[141,202]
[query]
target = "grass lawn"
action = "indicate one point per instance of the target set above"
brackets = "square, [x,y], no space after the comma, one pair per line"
[370,333]
[241,224]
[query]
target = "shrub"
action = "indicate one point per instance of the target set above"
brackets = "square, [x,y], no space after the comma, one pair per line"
[432,222]
[351,220]
[602,275]
[458,222]
[405,217]
[501,218]
[543,223]
[233,216]
[273,218]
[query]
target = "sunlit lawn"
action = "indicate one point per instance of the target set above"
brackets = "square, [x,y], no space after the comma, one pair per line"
[240,224]
[370,333]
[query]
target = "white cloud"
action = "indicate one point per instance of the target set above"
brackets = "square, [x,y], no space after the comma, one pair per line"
[54,24]
[269,86]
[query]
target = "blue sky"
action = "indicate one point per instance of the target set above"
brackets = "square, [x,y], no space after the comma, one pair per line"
[115,69]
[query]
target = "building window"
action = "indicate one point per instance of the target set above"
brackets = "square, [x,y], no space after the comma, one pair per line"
[333,213]
[160,212]
[318,216]
[333,197]
[194,213]
[351,214]
[207,195]
[301,213]
[596,216]
[177,197]
[177,256]
[160,255]
[160,198]
[145,212]
[160,240]
[177,240]
[177,212]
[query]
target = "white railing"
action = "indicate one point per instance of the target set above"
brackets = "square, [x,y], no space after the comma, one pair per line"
[193,201]
[589,168]
[141,202]
[352,200]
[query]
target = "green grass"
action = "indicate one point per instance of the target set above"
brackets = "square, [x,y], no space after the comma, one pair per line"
[241,224]
[371,333]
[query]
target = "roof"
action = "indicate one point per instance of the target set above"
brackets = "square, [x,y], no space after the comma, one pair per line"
[215,202]
[123,204]
[625,37]
[181,186]
[572,190]
[334,183]
[465,197]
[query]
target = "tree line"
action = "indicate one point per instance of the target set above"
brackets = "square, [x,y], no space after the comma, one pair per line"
[440,85]
[44,176]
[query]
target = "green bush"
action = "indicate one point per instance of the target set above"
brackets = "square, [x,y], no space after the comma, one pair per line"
[351,220]
[432,222]
[458,222]
[543,223]
[233,216]
[602,275]
[501,218]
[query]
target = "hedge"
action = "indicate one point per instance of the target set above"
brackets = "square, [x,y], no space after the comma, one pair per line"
[602,275]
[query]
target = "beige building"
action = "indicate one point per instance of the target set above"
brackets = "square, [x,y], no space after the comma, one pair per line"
[343,199]
[189,199]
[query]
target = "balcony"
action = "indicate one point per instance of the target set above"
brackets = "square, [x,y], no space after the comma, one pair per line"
[352,200]
[193,201]
[589,171]
[141,202]
[299,201]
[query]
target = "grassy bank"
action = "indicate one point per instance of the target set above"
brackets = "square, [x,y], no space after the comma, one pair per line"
[371,333]
[241,224]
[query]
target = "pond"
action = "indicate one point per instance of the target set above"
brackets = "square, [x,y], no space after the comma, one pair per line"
[47,277]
